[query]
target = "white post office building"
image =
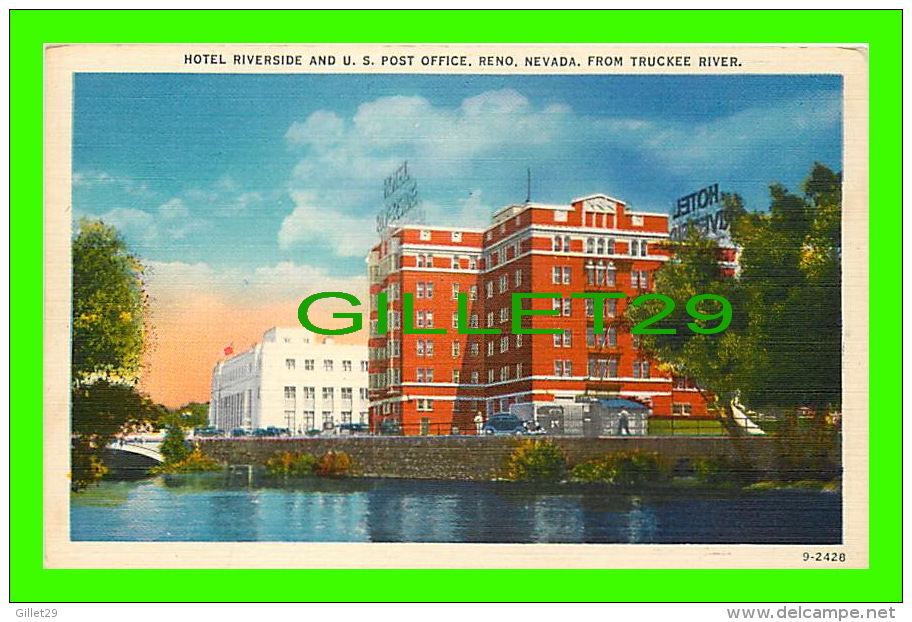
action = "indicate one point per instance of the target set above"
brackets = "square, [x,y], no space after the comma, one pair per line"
[293,379]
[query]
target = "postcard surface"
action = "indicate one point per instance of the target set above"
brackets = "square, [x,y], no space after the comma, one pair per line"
[355,306]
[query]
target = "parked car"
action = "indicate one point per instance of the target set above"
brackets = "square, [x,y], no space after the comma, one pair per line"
[239,432]
[504,423]
[353,429]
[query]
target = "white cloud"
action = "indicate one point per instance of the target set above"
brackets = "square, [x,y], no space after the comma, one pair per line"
[171,282]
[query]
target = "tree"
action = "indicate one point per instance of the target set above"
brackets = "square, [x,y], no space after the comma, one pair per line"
[783,347]
[109,307]
[108,335]
[190,416]
[174,447]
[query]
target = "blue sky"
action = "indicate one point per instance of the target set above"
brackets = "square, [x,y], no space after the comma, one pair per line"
[219,180]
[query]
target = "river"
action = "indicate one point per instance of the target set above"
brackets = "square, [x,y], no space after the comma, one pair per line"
[216,507]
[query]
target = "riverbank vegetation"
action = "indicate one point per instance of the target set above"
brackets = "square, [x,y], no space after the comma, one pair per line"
[192,462]
[289,464]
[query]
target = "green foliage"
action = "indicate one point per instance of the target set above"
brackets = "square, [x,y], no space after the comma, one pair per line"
[108,335]
[174,447]
[194,462]
[99,412]
[715,470]
[625,469]
[189,416]
[286,464]
[335,463]
[783,347]
[596,471]
[537,461]
[109,307]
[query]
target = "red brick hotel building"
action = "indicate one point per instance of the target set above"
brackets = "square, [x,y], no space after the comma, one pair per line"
[437,383]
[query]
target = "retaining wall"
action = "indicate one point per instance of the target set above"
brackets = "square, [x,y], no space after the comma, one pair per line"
[483,458]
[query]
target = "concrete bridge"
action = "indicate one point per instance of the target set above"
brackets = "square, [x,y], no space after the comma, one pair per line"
[133,457]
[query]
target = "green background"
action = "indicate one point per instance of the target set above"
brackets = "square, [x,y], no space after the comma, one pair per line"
[30,30]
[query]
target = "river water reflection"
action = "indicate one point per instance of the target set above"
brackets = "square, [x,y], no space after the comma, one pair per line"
[216,507]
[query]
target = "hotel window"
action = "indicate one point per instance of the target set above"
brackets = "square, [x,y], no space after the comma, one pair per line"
[519,340]
[455,320]
[327,365]
[504,344]
[456,236]
[567,337]
[566,274]
[519,370]
[419,290]
[429,289]
[473,321]
[454,349]
[455,376]
[611,337]
[681,409]
[590,245]
[590,307]
[490,375]
[308,424]
[557,243]
[289,393]
[558,340]
[362,393]
[346,393]
[309,393]
[308,364]
[289,364]
[504,373]
[610,275]
[610,248]
[641,369]
[556,305]
[419,374]
[429,374]
[420,261]
[474,377]
[328,394]
[346,365]
[395,348]
[394,291]
[419,347]
[473,349]
[590,337]
[473,263]
[454,262]
[601,246]
[473,292]
[611,307]
[517,278]
[566,307]
[327,420]
[612,368]
[425,405]
[504,283]
[490,348]
[556,274]
[489,289]
[425,235]
[504,315]
[455,291]
[490,318]
[346,416]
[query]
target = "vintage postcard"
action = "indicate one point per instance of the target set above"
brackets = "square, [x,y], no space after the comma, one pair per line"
[471,306]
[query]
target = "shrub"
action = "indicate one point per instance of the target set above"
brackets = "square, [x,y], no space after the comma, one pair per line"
[599,470]
[537,461]
[638,467]
[286,463]
[174,447]
[621,469]
[193,463]
[334,463]
[714,470]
